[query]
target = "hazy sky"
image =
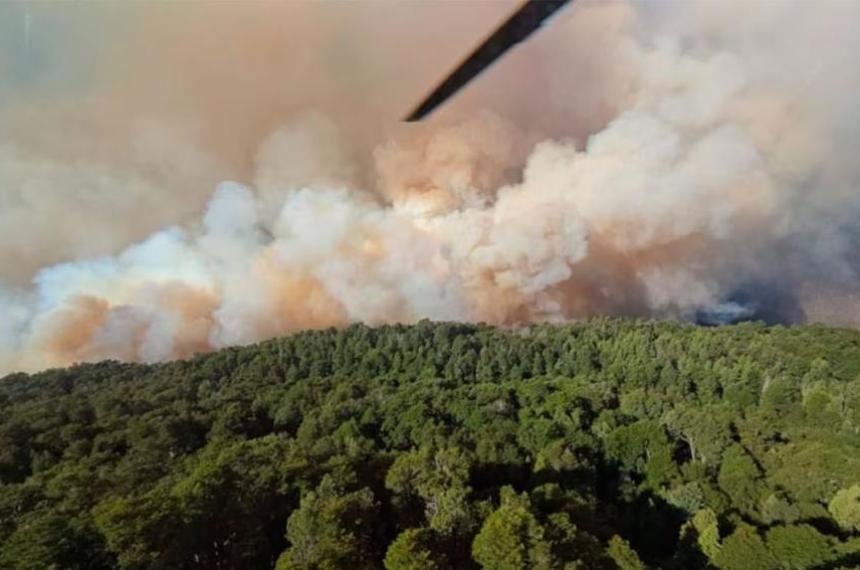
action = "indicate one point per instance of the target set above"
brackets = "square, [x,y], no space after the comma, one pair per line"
[181,176]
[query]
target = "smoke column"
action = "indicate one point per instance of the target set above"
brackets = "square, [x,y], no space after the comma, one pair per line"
[175,178]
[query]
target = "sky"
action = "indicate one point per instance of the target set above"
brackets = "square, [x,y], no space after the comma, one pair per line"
[179,177]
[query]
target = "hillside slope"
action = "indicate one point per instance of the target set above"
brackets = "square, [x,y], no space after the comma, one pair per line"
[606,444]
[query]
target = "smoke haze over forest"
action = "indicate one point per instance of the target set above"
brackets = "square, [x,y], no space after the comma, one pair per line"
[181,177]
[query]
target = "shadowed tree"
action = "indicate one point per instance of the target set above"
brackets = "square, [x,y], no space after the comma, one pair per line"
[511,538]
[744,549]
[332,529]
[414,549]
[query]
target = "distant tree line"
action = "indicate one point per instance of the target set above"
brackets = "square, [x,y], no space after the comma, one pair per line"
[607,444]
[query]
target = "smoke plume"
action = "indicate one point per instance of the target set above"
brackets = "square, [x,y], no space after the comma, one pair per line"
[175,178]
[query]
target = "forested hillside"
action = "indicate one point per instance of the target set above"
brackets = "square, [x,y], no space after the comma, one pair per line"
[606,444]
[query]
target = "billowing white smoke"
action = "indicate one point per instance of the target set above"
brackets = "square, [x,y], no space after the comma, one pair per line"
[727,169]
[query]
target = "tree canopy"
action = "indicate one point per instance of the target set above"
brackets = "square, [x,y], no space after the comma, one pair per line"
[601,444]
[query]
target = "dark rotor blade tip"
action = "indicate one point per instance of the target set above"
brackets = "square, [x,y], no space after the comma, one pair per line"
[520,25]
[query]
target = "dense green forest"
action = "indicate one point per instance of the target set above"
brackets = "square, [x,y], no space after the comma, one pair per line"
[605,444]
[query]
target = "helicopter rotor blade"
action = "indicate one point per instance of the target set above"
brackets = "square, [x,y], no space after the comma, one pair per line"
[527,19]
